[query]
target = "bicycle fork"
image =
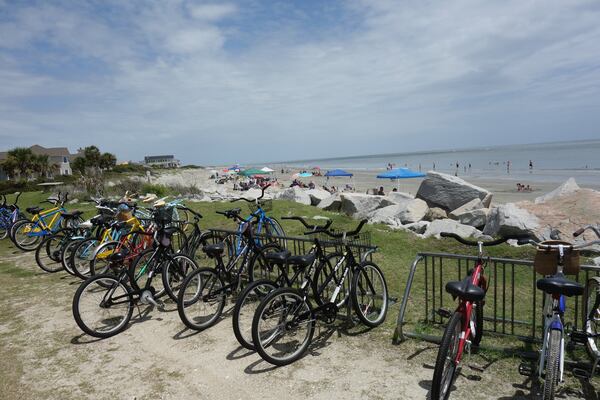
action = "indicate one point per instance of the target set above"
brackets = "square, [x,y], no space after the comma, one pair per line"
[554,311]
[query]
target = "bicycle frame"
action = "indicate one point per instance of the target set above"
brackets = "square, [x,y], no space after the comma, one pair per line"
[39,221]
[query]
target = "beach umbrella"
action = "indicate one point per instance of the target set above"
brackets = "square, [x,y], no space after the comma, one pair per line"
[400,173]
[251,172]
[267,170]
[305,174]
[338,172]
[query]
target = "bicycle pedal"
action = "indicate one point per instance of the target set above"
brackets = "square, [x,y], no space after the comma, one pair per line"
[477,368]
[442,312]
[526,369]
[581,373]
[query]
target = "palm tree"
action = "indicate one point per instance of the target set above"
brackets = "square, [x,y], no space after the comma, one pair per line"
[40,165]
[10,167]
[23,158]
[107,161]
[92,156]
[79,165]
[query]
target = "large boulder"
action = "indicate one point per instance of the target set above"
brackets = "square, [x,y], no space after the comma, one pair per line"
[447,225]
[359,205]
[417,227]
[435,213]
[449,192]
[413,211]
[316,195]
[474,204]
[295,194]
[567,188]
[508,219]
[331,203]
[476,218]
[399,197]
[397,214]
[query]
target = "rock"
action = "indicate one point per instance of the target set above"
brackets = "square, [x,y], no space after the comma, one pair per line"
[74,201]
[508,219]
[359,205]
[447,225]
[417,227]
[449,192]
[252,193]
[295,194]
[475,218]
[389,215]
[435,213]
[399,197]
[316,195]
[474,204]
[596,260]
[487,200]
[414,211]
[567,188]
[331,203]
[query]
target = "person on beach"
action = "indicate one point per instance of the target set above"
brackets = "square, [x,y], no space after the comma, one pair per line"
[530,166]
[380,192]
[394,189]
[434,166]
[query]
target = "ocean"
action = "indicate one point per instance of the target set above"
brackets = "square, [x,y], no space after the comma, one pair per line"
[552,162]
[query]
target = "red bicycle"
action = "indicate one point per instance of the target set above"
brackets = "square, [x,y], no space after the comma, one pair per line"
[465,327]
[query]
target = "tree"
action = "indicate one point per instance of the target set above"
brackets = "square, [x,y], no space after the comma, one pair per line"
[92,156]
[79,165]
[107,161]
[23,160]
[40,164]
[10,167]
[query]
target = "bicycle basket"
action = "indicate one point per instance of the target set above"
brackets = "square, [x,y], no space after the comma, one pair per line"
[546,260]
[163,215]
[266,205]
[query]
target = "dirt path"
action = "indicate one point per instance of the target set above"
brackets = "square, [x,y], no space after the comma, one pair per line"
[44,355]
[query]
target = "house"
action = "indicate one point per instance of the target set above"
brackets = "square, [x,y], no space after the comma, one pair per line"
[166,161]
[59,157]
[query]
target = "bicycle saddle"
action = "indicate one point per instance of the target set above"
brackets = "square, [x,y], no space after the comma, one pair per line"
[465,290]
[558,284]
[33,210]
[73,214]
[278,257]
[302,261]
[213,250]
[169,231]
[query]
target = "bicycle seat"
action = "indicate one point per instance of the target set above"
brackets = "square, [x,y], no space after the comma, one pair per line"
[278,257]
[169,231]
[465,290]
[33,210]
[73,214]
[214,250]
[557,284]
[302,261]
[119,256]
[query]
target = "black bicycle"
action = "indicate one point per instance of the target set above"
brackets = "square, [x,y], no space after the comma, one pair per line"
[276,275]
[204,292]
[284,322]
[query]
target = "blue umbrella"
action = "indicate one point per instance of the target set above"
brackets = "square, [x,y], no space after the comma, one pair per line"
[338,172]
[305,174]
[400,173]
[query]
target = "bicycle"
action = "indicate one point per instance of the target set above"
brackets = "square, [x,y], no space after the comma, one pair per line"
[203,294]
[274,276]
[554,259]
[27,235]
[284,322]
[465,327]
[103,304]
[9,215]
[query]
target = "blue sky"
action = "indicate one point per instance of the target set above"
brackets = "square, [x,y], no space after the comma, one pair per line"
[220,82]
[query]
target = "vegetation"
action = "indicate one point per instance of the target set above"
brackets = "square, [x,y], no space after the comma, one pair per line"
[94,160]
[21,163]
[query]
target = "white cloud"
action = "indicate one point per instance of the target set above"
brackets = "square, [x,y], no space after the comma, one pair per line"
[212,12]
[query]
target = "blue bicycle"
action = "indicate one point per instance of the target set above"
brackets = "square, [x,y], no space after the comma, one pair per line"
[267,229]
[9,215]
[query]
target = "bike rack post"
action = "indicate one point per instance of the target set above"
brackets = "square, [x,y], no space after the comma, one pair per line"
[398,335]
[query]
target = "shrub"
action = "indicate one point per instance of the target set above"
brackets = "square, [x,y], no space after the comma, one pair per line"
[159,190]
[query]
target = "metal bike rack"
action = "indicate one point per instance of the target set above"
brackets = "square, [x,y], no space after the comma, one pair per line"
[504,315]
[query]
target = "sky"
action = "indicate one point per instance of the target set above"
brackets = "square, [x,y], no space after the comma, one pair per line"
[249,80]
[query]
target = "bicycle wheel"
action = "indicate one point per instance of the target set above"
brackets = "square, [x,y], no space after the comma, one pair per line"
[445,364]
[102,306]
[272,229]
[552,364]
[198,255]
[100,262]
[145,262]
[27,236]
[259,268]
[369,294]
[65,255]
[477,313]
[82,257]
[592,316]
[283,326]
[245,308]
[174,272]
[326,280]
[201,299]
[11,231]
[47,254]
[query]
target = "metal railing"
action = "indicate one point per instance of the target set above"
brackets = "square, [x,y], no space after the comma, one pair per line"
[513,304]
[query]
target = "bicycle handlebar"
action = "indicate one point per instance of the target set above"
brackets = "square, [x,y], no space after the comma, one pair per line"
[585,228]
[180,207]
[313,228]
[545,246]
[343,234]
[262,194]
[494,242]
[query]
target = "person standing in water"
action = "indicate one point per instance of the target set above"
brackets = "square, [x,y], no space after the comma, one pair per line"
[530,166]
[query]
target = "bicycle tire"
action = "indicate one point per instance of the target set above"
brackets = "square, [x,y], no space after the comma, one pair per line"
[263,340]
[552,364]
[81,258]
[65,255]
[189,296]
[259,268]
[364,281]
[592,315]
[11,231]
[44,253]
[20,239]
[173,274]
[252,295]
[272,227]
[478,323]
[140,277]
[440,389]
[325,280]
[105,283]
